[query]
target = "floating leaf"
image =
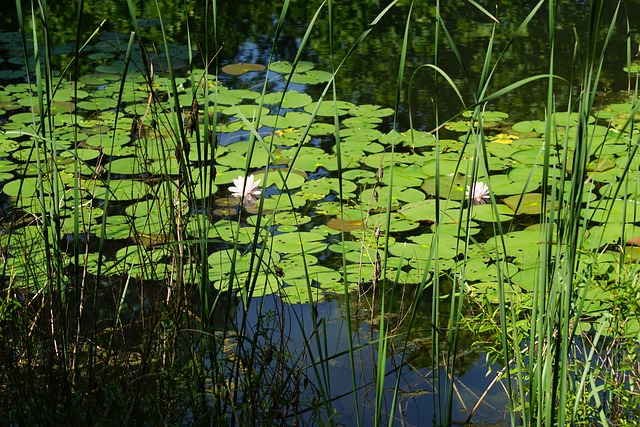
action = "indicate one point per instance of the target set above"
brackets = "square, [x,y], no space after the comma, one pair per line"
[346,225]
[235,96]
[311,77]
[241,68]
[292,99]
[286,67]
[394,222]
[122,190]
[537,126]
[486,213]
[310,159]
[362,122]
[248,111]
[368,110]
[503,138]
[431,167]
[617,211]
[530,203]
[294,178]
[329,108]
[299,242]
[127,166]
[98,104]
[425,210]
[360,135]
[300,295]
[450,187]
[522,245]
[324,186]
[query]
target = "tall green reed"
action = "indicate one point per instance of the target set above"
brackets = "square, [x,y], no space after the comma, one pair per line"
[540,360]
[49,336]
[542,378]
[223,373]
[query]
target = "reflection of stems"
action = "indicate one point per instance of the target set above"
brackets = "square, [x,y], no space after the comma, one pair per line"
[475,408]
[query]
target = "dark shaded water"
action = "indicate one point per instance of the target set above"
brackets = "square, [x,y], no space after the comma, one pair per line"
[244,33]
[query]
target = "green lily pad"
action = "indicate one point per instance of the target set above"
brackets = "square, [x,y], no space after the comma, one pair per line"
[329,108]
[285,67]
[450,187]
[530,203]
[249,111]
[417,139]
[490,290]
[446,167]
[424,250]
[311,77]
[292,99]
[126,166]
[537,126]
[324,186]
[486,213]
[98,104]
[283,202]
[384,159]
[235,96]
[359,135]
[122,190]
[362,122]
[395,223]
[522,245]
[28,187]
[617,211]
[300,295]
[299,242]
[310,159]
[275,121]
[369,110]
[425,210]
[294,178]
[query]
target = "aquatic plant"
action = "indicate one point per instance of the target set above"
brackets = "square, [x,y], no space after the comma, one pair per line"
[124,223]
[478,193]
[246,189]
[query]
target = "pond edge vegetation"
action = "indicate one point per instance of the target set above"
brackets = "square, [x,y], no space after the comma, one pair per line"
[215,355]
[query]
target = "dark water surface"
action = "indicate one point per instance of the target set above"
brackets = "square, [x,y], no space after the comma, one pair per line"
[244,31]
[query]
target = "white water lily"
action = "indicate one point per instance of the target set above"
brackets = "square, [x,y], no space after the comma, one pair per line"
[247,190]
[478,193]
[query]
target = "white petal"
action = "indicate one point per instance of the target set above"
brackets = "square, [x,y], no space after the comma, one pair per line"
[239,182]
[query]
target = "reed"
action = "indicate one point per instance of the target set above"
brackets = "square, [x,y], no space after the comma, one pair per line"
[164,334]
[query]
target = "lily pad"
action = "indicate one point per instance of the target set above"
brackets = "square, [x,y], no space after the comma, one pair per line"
[530,203]
[324,186]
[329,108]
[450,187]
[486,213]
[241,68]
[299,242]
[294,178]
[285,67]
[291,99]
[311,77]
[425,210]
[369,110]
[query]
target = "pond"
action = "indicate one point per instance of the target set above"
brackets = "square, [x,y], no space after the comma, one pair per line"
[240,213]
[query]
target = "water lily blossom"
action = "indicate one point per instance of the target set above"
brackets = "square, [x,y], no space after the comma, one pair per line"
[248,190]
[478,193]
